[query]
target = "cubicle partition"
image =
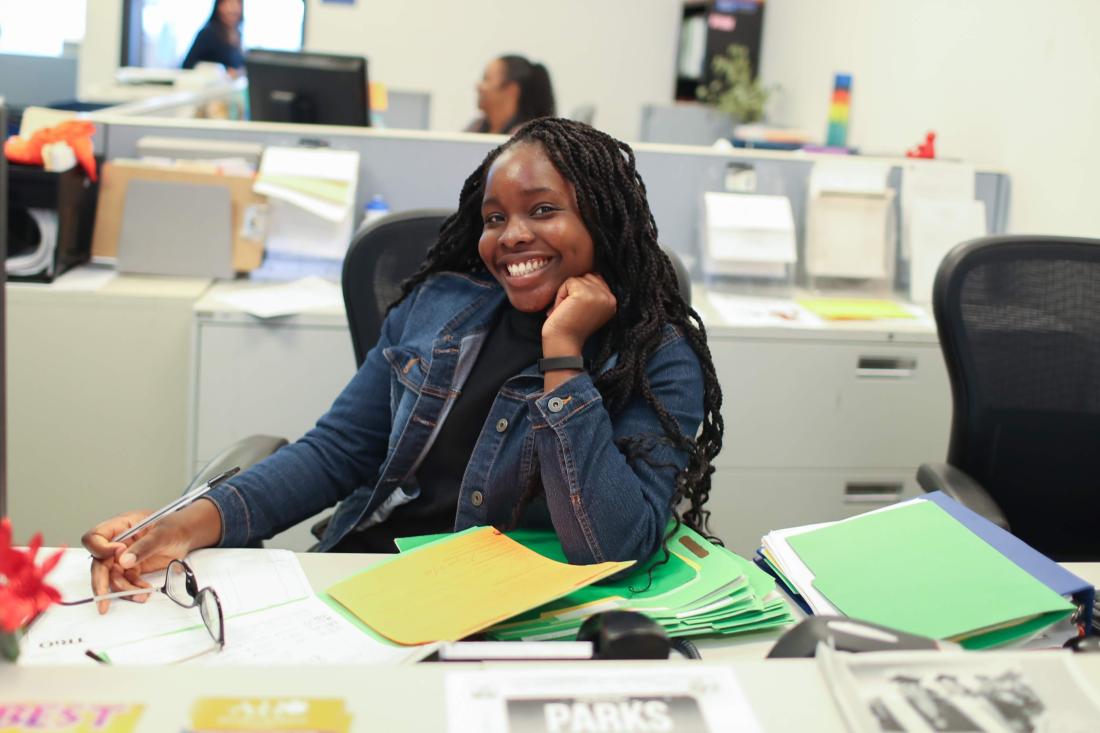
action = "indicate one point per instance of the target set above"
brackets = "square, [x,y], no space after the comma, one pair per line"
[415,169]
[812,432]
[37,80]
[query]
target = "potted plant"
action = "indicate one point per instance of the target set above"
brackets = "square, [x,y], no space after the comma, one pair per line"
[733,90]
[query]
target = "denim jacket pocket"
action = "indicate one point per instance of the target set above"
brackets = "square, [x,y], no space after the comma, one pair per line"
[407,365]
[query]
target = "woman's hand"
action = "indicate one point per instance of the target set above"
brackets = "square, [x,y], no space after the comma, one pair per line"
[583,304]
[118,566]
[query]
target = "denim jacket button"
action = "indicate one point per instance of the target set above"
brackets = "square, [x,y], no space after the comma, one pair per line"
[502,425]
[555,404]
[477,498]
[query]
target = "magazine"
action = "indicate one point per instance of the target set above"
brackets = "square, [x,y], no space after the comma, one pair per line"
[965,692]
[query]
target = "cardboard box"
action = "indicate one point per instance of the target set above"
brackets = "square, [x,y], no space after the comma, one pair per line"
[248,208]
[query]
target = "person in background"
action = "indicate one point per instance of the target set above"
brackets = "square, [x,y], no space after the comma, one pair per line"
[219,40]
[512,91]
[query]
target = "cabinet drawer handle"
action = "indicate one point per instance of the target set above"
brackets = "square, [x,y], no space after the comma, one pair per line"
[886,367]
[872,492]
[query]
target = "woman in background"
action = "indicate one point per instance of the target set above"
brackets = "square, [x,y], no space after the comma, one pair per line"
[512,91]
[219,40]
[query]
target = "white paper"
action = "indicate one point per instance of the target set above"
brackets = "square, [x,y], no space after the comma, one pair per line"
[697,700]
[750,228]
[749,234]
[85,279]
[935,227]
[742,310]
[932,179]
[849,235]
[309,293]
[777,545]
[37,118]
[850,176]
[302,632]
[319,164]
[295,231]
[245,580]
[41,259]
[848,220]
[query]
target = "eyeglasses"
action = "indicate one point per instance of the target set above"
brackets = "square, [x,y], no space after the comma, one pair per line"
[181,586]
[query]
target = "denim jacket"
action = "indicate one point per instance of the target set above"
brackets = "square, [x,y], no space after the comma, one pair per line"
[365,451]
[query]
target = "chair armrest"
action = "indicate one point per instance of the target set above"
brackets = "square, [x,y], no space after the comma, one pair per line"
[245,452]
[958,484]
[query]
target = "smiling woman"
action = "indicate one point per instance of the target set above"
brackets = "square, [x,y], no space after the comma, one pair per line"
[540,369]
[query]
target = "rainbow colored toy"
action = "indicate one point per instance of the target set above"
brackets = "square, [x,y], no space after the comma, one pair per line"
[838,111]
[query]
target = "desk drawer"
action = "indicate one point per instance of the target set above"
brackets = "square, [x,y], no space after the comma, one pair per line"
[814,404]
[746,504]
[264,378]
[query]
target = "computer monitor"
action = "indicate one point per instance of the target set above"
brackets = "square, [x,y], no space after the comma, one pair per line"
[310,88]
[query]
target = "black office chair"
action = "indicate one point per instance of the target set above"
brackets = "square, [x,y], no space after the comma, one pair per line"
[380,257]
[1019,325]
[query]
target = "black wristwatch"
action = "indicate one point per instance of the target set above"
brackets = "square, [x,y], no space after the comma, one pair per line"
[561,362]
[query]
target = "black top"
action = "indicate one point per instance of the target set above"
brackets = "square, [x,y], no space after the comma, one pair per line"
[514,343]
[210,45]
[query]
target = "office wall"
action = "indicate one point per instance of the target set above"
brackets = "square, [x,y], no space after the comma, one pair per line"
[1004,83]
[99,52]
[616,54]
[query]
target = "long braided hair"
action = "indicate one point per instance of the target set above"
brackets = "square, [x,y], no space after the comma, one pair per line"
[612,201]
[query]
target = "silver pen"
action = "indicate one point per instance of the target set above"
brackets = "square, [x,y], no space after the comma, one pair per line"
[179,503]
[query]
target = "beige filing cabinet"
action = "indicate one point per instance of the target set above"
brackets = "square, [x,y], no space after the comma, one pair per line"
[255,376]
[822,421]
[97,379]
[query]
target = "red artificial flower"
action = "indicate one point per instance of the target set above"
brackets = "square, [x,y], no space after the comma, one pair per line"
[23,592]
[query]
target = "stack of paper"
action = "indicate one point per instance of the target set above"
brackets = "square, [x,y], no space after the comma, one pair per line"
[938,211]
[849,224]
[918,567]
[702,589]
[479,577]
[749,235]
[312,195]
[271,617]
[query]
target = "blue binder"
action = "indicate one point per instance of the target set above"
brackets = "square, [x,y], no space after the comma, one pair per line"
[1038,565]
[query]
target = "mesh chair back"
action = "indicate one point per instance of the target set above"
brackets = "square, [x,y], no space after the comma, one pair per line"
[381,256]
[1019,324]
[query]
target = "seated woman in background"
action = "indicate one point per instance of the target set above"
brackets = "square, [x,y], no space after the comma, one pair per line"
[512,91]
[219,40]
[541,369]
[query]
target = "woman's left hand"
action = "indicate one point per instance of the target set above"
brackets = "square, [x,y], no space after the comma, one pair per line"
[583,304]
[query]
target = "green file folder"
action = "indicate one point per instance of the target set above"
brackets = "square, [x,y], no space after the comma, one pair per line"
[917,569]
